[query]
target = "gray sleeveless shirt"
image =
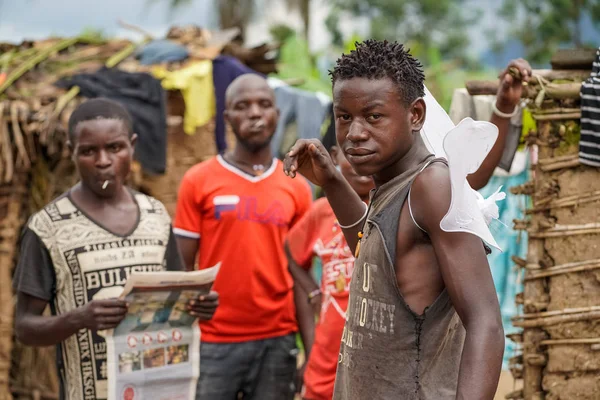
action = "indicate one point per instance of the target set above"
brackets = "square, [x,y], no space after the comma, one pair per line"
[387,351]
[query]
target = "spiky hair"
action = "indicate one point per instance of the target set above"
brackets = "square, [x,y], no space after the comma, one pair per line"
[375,59]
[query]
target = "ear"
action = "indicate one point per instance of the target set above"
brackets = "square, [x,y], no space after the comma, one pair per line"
[226,115]
[418,110]
[133,141]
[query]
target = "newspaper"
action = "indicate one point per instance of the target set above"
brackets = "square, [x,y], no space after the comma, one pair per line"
[154,353]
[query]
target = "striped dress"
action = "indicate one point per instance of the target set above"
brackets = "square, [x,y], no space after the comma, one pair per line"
[589,144]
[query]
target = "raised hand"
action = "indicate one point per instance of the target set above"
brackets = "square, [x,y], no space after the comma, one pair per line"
[511,84]
[309,158]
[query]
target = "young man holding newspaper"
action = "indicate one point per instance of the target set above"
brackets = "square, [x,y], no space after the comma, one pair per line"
[78,252]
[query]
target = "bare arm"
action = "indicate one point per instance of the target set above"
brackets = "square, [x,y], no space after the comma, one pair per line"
[189,250]
[305,314]
[309,158]
[467,278]
[34,329]
[507,98]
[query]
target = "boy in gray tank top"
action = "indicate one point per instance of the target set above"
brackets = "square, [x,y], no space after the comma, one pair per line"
[423,319]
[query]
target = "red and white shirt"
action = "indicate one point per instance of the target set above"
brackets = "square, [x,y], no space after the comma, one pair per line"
[241,221]
[318,234]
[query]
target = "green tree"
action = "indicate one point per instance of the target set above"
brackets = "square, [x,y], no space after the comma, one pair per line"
[238,13]
[440,24]
[543,25]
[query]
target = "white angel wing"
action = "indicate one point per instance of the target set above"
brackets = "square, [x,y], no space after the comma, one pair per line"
[437,125]
[465,146]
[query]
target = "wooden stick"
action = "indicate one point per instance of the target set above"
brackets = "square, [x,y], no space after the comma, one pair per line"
[567,201]
[6,147]
[559,319]
[576,75]
[565,311]
[556,117]
[135,28]
[18,135]
[126,52]
[556,204]
[560,165]
[35,60]
[557,111]
[566,230]
[552,90]
[564,269]
[551,342]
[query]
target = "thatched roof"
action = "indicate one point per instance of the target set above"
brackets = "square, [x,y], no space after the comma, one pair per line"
[33,112]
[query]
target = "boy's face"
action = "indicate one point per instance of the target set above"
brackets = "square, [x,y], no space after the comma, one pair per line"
[103,151]
[374,128]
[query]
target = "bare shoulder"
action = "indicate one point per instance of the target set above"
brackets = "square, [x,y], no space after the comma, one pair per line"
[431,195]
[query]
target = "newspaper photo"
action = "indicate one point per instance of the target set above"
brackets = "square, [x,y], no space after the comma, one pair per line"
[154,353]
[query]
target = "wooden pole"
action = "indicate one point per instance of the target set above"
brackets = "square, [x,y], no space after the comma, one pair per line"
[566,311]
[558,319]
[563,269]
[11,223]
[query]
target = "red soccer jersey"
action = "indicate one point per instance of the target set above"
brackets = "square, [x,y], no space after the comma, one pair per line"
[318,234]
[242,220]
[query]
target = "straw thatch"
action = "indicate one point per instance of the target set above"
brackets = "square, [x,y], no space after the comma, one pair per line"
[561,298]
[34,162]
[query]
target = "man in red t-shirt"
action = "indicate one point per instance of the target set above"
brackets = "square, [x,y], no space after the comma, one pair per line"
[237,209]
[318,234]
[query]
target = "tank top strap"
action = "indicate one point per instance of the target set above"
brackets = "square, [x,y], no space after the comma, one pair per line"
[427,164]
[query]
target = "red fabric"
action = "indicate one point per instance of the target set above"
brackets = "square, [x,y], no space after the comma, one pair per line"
[318,234]
[242,222]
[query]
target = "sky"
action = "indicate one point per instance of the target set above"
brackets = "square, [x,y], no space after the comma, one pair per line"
[36,19]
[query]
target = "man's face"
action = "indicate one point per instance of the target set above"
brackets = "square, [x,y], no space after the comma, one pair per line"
[253,115]
[373,126]
[103,151]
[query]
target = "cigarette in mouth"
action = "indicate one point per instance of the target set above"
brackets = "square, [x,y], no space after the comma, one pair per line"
[104,185]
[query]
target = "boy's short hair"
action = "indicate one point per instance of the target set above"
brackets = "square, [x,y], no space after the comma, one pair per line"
[99,108]
[375,59]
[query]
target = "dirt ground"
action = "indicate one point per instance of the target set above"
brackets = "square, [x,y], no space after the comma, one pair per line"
[506,385]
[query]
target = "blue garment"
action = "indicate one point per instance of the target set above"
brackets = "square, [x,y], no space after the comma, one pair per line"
[306,108]
[225,70]
[160,51]
[512,243]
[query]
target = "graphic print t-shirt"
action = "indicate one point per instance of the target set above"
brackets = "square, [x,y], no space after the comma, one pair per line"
[69,260]
[241,221]
[319,234]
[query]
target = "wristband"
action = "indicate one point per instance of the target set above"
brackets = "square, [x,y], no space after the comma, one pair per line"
[313,294]
[504,115]
[357,222]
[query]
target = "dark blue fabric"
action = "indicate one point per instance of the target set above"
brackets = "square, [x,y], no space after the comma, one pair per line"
[225,70]
[160,51]
[143,96]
